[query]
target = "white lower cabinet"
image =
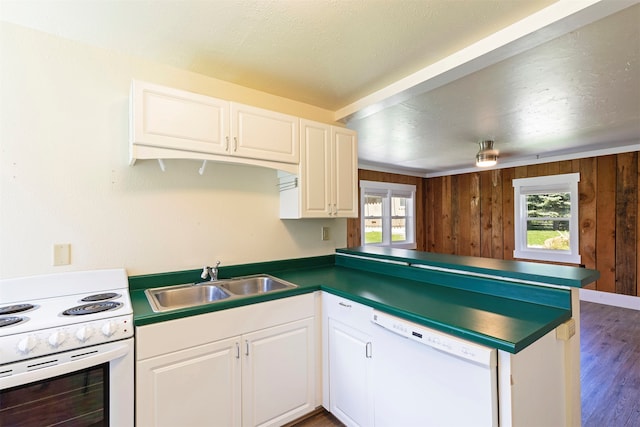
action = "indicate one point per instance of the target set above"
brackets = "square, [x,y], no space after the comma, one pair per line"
[350,392]
[191,387]
[347,376]
[200,371]
[278,374]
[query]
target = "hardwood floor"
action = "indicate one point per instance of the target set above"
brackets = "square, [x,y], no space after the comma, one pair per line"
[320,418]
[610,366]
[610,369]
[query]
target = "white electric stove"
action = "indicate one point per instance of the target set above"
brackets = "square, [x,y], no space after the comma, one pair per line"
[66,334]
[41,315]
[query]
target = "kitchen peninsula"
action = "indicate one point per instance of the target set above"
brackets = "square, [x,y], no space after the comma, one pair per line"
[528,312]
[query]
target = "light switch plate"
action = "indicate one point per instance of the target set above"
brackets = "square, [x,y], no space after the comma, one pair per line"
[61,254]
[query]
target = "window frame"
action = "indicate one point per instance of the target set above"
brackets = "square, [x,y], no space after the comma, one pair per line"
[563,183]
[387,190]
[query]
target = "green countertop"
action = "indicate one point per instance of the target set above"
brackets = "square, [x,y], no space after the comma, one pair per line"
[500,314]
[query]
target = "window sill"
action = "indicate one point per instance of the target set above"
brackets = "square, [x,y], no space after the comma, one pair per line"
[396,246]
[553,256]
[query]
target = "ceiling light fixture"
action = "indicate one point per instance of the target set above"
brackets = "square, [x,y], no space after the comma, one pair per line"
[487,156]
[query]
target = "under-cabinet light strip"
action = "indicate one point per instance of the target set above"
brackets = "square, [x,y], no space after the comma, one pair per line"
[388,261]
[461,272]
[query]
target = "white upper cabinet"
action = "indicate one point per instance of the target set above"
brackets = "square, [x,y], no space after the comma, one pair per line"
[178,120]
[170,123]
[315,170]
[326,184]
[344,173]
[264,134]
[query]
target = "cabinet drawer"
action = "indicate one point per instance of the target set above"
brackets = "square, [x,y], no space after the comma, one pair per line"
[352,313]
[174,335]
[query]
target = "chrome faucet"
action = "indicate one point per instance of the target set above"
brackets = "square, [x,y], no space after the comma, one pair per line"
[211,272]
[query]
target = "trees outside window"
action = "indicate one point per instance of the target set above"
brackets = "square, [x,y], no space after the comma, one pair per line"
[546,218]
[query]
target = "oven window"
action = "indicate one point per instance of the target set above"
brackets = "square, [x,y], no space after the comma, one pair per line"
[80,398]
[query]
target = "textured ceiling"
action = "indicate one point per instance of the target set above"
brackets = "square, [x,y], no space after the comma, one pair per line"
[556,91]
[575,93]
[327,53]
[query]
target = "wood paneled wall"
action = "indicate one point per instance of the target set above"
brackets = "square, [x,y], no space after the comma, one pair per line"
[472,214]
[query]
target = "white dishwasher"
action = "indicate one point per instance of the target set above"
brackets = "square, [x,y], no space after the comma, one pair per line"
[427,378]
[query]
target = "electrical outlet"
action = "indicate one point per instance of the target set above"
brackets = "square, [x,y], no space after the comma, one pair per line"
[61,254]
[325,233]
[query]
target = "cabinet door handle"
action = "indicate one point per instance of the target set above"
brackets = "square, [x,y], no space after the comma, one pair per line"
[235,143]
[226,145]
[237,350]
[246,343]
[368,350]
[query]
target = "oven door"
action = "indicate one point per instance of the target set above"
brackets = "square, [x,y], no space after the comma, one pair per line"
[92,386]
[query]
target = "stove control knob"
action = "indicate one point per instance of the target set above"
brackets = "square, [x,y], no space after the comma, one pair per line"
[84,333]
[109,328]
[57,338]
[25,345]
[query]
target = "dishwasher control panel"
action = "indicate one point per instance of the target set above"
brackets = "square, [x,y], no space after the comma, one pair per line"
[437,340]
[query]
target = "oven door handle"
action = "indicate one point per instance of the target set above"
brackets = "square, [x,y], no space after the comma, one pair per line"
[64,363]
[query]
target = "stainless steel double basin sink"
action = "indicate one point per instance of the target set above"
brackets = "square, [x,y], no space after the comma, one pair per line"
[196,294]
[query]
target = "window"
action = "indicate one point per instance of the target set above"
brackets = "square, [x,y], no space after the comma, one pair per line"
[388,214]
[546,218]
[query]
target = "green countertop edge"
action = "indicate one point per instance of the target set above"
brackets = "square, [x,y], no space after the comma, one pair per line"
[552,274]
[557,299]
[487,340]
[385,297]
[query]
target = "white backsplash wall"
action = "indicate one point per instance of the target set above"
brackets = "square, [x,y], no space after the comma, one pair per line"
[65,176]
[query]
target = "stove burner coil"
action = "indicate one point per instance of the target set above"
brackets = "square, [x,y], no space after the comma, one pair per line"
[12,320]
[17,308]
[100,297]
[92,308]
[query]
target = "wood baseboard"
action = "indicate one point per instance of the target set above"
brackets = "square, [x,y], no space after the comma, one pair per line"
[608,298]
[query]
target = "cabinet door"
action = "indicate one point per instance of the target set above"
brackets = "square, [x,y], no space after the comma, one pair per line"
[345,173]
[278,374]
[315,169]
[263,134]
[350,374]
[171,118]
[194,387]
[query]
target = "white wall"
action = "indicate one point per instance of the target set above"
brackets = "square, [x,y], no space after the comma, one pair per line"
[65,176]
